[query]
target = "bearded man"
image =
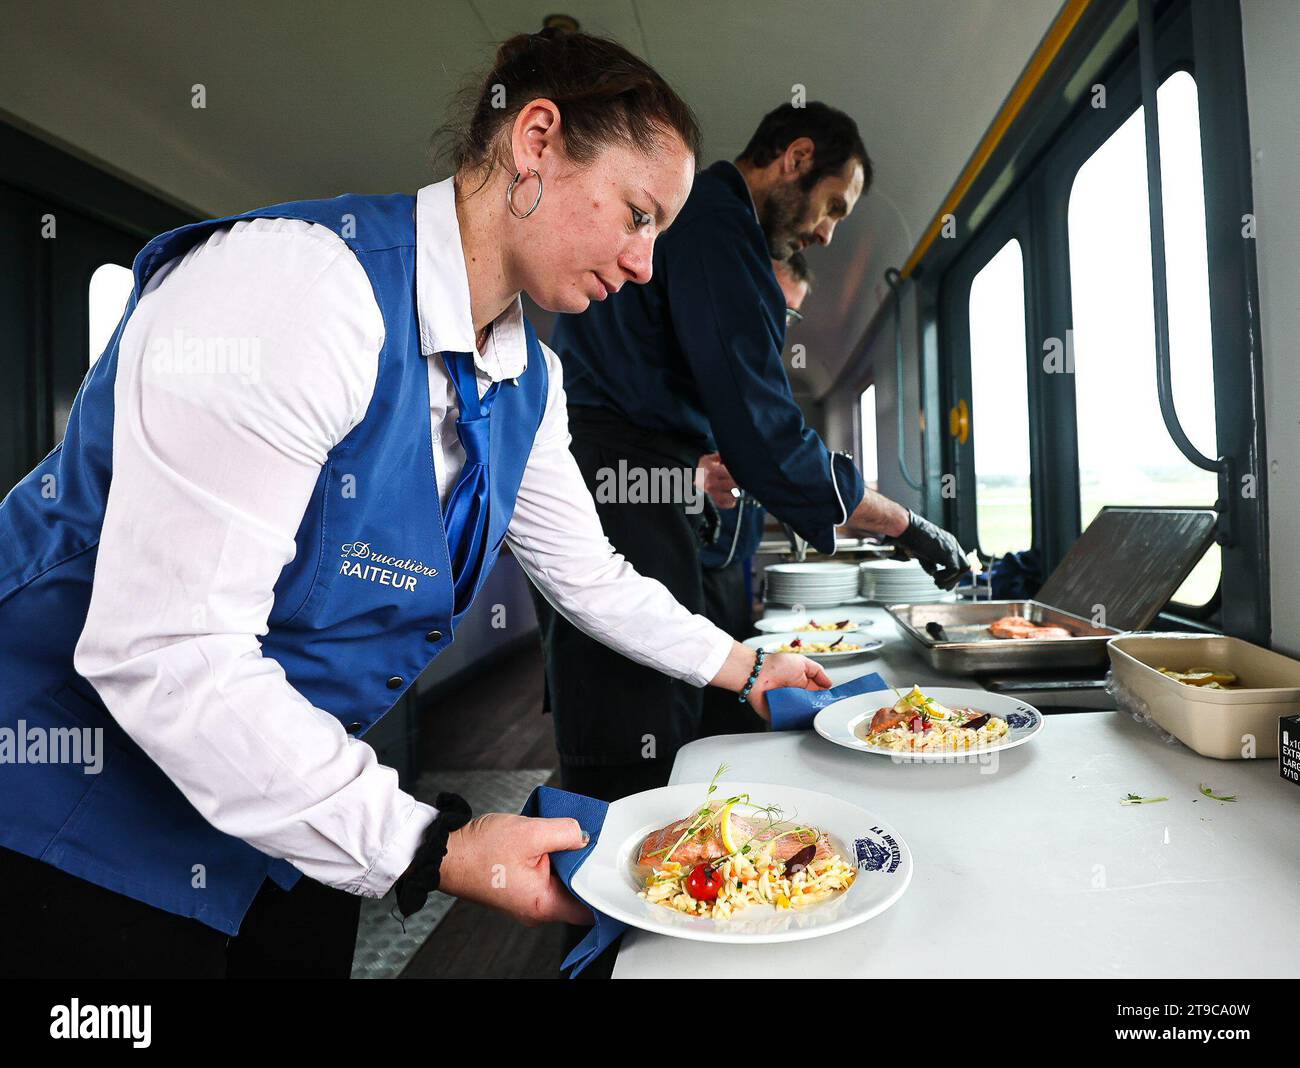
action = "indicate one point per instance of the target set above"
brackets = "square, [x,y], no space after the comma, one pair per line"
[687,365]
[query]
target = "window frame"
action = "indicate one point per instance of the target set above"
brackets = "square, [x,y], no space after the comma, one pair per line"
[1040,194]
[1056,176]
[101,218]
[1062,184]
[1011,222]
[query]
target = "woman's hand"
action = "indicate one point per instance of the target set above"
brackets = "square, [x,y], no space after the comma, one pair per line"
[504,861]
[786,669]
[779,669]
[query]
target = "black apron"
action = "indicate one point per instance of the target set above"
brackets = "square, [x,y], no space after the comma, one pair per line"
[726,605]
[609,711]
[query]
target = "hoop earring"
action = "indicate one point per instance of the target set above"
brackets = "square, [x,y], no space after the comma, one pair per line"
[510,194]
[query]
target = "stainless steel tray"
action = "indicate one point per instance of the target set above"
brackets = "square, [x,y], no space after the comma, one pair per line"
[972,650]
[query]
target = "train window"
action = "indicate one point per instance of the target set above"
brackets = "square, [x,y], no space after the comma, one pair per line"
[1125,454]
[110,286]
[1000,404]
[867,462]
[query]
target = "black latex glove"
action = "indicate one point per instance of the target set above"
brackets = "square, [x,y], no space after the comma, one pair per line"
[937,550]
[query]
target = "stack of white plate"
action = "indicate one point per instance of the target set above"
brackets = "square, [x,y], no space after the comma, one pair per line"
[812,585]
[899,582]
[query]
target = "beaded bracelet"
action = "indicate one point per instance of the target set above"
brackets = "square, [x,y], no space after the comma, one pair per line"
[753,676]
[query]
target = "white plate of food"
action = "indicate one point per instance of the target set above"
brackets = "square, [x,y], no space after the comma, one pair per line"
[837,621]
[824,648]
[930,724]
[791,864]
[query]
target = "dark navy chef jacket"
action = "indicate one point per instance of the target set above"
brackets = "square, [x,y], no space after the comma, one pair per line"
[697,352]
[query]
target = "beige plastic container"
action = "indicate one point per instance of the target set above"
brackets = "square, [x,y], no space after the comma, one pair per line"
[1214,723]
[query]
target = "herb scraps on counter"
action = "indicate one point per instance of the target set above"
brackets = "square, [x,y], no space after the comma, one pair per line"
[1136,799]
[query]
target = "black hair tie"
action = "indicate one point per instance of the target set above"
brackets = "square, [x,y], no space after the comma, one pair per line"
[422,876]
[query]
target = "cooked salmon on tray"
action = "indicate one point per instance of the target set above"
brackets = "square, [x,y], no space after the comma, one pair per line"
[1019,628]
[732,852]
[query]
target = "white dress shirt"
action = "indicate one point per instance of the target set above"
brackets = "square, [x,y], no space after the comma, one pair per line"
[214,464]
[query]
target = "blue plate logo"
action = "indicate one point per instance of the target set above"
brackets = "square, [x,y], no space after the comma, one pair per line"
[1016,720]
[879,853]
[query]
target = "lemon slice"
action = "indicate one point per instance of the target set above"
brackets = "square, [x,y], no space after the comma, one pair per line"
[724,827]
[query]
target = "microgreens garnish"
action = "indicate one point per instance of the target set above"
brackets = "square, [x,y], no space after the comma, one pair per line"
[703,817]
[1215,797]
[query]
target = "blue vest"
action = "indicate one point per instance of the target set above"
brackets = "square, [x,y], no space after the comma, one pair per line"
[343,634]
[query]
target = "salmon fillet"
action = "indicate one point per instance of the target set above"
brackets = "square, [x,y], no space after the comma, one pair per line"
[885,718]
[703,847]
[790,844]
[1010,627]
[695,850]
[1019,628]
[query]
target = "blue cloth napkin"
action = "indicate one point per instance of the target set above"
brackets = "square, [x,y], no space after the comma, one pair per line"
[794,709]
[548,802]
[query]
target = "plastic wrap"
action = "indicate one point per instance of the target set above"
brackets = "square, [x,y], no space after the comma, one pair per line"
[1127,701]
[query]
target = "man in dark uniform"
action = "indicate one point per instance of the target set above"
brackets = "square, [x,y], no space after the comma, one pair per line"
[728,597]
[689,364]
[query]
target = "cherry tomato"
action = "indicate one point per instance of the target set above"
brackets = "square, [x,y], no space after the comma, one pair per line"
[703,883]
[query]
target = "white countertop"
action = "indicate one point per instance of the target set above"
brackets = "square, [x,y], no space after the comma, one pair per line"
[1031,867]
